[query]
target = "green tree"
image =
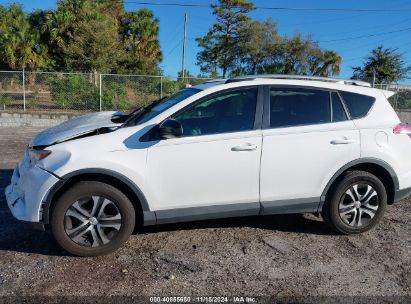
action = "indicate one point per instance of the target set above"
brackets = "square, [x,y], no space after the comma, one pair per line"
[328,64]
[260,47]
[387,64]
[57,28]
[302,56]
[19,44]
[81,36]
[89,35]
[221,45]
[140,37]
[90,49]
[264,51]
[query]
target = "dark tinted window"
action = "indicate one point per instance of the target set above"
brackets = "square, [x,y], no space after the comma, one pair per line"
[358,105]
[338,109]
[159,106]
[297,106]
[231,111]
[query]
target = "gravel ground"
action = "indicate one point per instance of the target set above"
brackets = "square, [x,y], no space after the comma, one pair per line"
[284,255]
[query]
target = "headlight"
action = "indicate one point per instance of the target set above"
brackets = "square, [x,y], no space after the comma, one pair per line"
[37,155]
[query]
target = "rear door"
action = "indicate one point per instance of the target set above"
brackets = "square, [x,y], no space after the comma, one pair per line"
[307,137]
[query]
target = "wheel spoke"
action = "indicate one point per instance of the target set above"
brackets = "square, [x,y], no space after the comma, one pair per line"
[346,208]
[352,223]
[95,238]
[103,206]
[74,213]
[102,235]
[116,225]
[350,194]
[358,222]
[80,209]
[97,201]
[370,196]
[371,213]
[72,232]
[369,189]
[357,194]
[110,218]
[78,237]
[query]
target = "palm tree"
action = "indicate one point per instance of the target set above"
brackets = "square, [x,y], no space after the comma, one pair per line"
[387,64]
[140,32]
[20,45]
[330,64]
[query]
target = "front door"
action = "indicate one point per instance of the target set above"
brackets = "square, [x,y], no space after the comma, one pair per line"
[213,169]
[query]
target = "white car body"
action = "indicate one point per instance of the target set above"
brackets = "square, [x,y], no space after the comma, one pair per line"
[260,171]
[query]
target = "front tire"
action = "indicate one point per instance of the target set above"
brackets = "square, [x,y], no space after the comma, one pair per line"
[356,203]
[92,218]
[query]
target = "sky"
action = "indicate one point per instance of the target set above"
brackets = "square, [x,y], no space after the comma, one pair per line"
[352,34]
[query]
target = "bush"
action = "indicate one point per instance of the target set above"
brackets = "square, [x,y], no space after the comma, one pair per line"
[170,86]
[74,92]
[4,101]
[114,97]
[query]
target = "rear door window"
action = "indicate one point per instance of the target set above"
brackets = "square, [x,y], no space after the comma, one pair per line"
[298,106]
[358,105]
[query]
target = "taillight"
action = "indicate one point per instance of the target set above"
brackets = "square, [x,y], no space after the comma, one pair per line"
[403,128]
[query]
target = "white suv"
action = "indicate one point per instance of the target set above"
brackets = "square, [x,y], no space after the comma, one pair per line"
[246,146]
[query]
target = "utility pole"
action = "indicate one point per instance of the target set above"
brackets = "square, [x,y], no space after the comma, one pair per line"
[184,47]
[24,89]
[373,78]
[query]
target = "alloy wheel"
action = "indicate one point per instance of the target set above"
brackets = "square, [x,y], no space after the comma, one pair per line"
[358,205]
[93,221]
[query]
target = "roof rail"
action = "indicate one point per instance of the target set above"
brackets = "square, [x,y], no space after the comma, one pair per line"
[300,77]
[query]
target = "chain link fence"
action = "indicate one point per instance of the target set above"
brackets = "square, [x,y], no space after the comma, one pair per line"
[89,92]
[11,91]
[401,100]
[83,92]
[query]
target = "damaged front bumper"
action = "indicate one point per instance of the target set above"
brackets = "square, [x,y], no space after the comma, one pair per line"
[27,192]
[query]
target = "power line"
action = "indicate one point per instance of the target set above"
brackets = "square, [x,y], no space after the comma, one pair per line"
[398,47]
[368,35]
[303,9]
[381,26]
[174,48]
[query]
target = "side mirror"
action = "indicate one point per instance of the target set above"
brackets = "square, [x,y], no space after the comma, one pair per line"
[119,117]
[170,128]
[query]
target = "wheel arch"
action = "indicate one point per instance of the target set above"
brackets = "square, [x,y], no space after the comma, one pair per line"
[124,184]
[379,168]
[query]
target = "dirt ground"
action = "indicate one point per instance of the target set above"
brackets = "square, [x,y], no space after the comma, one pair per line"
[284,255]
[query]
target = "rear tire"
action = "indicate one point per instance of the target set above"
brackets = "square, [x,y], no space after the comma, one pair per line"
[92,218]
[356,203]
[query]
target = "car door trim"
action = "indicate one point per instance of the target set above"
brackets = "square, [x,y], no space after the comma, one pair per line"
[207,212]
[299,205]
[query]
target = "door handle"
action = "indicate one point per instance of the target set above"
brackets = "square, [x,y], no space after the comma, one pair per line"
[246,147]
[342,141]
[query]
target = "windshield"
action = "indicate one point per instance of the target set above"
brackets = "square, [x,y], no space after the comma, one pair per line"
[159,106]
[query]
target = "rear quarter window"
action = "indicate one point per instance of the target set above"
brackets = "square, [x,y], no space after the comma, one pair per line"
[358,105]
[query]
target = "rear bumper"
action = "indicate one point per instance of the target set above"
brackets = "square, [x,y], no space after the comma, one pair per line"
[402,194]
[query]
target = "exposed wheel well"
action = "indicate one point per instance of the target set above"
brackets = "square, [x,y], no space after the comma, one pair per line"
[119,184]
[375,169]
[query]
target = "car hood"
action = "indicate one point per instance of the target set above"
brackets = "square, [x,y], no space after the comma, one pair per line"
[74,127]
